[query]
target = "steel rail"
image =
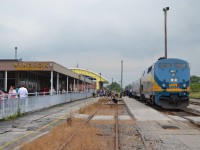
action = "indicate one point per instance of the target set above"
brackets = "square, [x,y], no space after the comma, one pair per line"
[82,126]
[195,103]
[77,131]
[116,130]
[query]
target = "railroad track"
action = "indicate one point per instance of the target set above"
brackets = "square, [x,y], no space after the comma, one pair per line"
[116,129]
[195,103]
[76,132]
[183,114]
[71,104]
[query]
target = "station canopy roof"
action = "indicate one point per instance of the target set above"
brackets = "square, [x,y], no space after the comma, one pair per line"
[91,75]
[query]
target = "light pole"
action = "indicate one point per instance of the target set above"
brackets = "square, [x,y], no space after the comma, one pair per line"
[165,22]
[15,52]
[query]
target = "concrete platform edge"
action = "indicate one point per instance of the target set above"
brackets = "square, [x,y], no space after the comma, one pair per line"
[138,128]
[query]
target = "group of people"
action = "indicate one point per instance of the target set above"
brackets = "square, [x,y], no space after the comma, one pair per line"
[13,93]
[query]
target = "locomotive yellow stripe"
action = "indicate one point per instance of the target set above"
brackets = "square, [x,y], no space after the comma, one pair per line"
[174,90]
[156,87]
[188,89]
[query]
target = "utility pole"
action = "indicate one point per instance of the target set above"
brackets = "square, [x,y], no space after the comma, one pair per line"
[121,76]
[165,24]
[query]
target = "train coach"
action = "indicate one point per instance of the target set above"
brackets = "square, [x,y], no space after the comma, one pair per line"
[166,83]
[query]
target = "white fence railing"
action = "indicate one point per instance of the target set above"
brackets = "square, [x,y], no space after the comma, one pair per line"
[37,101]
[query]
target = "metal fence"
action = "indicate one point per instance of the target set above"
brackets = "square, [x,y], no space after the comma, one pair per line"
[36,101]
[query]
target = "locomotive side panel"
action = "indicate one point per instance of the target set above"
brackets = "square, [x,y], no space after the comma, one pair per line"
[136,88]
[147,84]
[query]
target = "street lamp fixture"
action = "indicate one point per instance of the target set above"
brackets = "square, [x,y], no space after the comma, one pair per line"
[16,53]
[165,24]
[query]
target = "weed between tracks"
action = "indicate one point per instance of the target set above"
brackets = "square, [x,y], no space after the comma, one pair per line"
[91,137]
[102,108]
[87,138]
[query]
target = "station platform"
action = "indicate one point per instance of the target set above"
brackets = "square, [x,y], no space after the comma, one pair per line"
[160,131]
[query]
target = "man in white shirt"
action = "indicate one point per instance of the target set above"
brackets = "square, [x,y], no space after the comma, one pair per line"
[23,92]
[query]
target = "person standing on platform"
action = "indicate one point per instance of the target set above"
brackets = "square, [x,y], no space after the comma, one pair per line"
[12,93]
[23,92]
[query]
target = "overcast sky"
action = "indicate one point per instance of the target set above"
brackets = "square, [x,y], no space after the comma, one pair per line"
[99,34]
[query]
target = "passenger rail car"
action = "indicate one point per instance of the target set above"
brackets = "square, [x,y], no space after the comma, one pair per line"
[166,83]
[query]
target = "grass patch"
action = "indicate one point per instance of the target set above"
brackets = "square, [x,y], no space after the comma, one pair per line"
[100,107]
[195,90]
[90,109]
[195,87]
[86,139]
[102,100]
[195,95]
[18,114]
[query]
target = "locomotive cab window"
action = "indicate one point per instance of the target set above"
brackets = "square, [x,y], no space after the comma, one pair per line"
[149,69]
[180,65]
[165,65]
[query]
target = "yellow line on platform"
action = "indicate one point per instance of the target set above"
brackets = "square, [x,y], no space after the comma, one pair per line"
[19,138]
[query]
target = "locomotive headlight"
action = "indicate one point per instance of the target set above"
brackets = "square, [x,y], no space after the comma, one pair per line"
[184,85]
[174,80]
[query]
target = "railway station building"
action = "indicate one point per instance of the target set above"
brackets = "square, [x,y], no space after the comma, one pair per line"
[42,76]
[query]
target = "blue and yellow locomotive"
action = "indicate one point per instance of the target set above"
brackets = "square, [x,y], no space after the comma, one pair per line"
[166,83]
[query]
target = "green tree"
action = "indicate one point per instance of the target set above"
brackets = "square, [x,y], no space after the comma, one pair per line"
[194,79]
[128,87]
[114,87]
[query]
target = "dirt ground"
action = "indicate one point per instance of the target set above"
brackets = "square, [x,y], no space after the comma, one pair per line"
[96,135]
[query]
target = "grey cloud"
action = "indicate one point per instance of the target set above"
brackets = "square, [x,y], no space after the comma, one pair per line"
[100,33]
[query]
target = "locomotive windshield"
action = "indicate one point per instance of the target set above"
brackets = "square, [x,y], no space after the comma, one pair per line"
[164,65]
[179,65]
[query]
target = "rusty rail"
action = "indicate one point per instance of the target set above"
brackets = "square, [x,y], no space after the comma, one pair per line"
[116,130]
[195,103]
[77,131]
